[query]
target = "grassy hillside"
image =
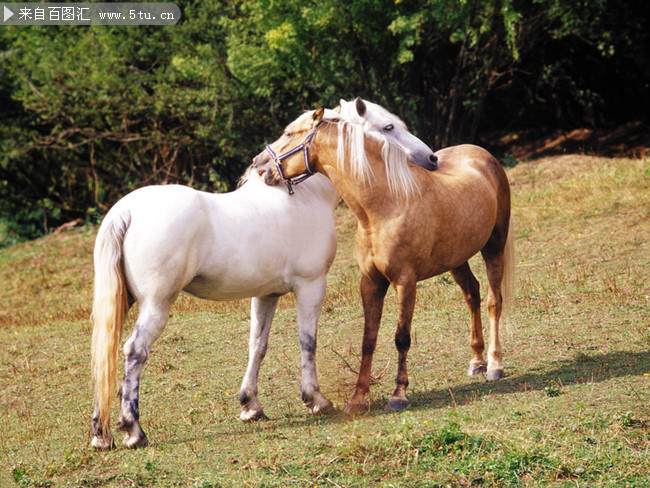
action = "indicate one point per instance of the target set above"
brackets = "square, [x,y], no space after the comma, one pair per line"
[573,409]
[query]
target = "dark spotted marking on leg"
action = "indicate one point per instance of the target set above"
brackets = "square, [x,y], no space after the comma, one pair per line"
[308,344]
[96,426]
[133,361]
[129,396]
[262,351]
[124,423]
[134,407]
[308,400]
[244,399]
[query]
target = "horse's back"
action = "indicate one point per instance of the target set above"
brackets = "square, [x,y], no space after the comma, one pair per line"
[463,201]
[461,160]
[249,242]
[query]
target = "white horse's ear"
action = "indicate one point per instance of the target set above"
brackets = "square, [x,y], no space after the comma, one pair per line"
[361,106]
[342,106]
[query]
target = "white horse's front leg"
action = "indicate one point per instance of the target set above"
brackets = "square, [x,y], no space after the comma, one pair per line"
[262,311]
[309,298]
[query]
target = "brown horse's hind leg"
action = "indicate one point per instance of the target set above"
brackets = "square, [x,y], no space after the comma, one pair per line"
[494,255]
[471,291]
[406,299]
[494,263]
[373,292]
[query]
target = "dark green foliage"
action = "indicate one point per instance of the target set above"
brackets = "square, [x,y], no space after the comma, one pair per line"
[90,113]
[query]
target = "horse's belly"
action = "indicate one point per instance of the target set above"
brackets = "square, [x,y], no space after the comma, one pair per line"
[234,288]
[427,250]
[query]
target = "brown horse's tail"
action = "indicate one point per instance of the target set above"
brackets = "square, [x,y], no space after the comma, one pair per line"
[508,281]
[110,306]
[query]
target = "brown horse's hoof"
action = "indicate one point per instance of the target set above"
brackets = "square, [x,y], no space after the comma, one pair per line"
[397,404]
[357,408]
[494,375]
[475,369]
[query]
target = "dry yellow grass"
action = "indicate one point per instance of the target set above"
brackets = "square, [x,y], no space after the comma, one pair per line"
[572,410]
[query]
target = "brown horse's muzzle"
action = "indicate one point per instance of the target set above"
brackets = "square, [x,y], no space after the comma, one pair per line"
[261,160]
[263,164]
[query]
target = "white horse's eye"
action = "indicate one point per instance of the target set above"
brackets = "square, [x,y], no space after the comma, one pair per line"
[388,127]
[288,134]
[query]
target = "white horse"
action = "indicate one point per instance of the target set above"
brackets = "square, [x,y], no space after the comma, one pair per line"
[258,241]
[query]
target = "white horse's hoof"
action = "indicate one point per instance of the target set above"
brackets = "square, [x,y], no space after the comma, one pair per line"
[326,408]
[133,442]
[252,415]
[103,444]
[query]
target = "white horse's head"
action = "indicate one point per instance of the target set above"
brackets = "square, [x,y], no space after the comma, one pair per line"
[387,126]
[288,158]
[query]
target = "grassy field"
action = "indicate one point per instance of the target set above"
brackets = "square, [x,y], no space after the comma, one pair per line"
[573,409]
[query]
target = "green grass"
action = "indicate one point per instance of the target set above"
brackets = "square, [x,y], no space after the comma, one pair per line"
[573,409]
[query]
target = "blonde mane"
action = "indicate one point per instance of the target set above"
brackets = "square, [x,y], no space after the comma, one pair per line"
[352,130]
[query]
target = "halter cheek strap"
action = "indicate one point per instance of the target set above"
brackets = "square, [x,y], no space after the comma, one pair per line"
[304,147]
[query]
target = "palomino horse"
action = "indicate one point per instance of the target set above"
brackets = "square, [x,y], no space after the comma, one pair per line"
[254,242]
[412,224]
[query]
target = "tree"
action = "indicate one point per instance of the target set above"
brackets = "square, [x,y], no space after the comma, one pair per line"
[103,110]
[92,113]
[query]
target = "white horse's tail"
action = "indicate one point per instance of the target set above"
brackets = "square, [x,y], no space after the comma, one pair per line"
[508,281]
[110,306]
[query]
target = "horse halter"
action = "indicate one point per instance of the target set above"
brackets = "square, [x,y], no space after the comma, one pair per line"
[304,147]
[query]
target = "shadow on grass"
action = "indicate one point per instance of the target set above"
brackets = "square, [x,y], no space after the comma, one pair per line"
[583,369]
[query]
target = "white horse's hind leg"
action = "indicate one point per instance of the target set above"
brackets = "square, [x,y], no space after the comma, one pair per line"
[262,311]
[101,441]
[309,298]
[149,326]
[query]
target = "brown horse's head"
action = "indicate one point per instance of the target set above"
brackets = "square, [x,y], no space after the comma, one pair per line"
[362,128]
[289,157]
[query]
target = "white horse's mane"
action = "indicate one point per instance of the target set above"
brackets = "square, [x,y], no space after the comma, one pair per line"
[250,173]
[351,131]
[317,185]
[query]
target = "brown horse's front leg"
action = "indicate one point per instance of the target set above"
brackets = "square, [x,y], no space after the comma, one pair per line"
[406,300]
[373,292]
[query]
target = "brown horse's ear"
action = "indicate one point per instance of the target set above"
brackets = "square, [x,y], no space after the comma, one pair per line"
[318,114]
[361,106]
